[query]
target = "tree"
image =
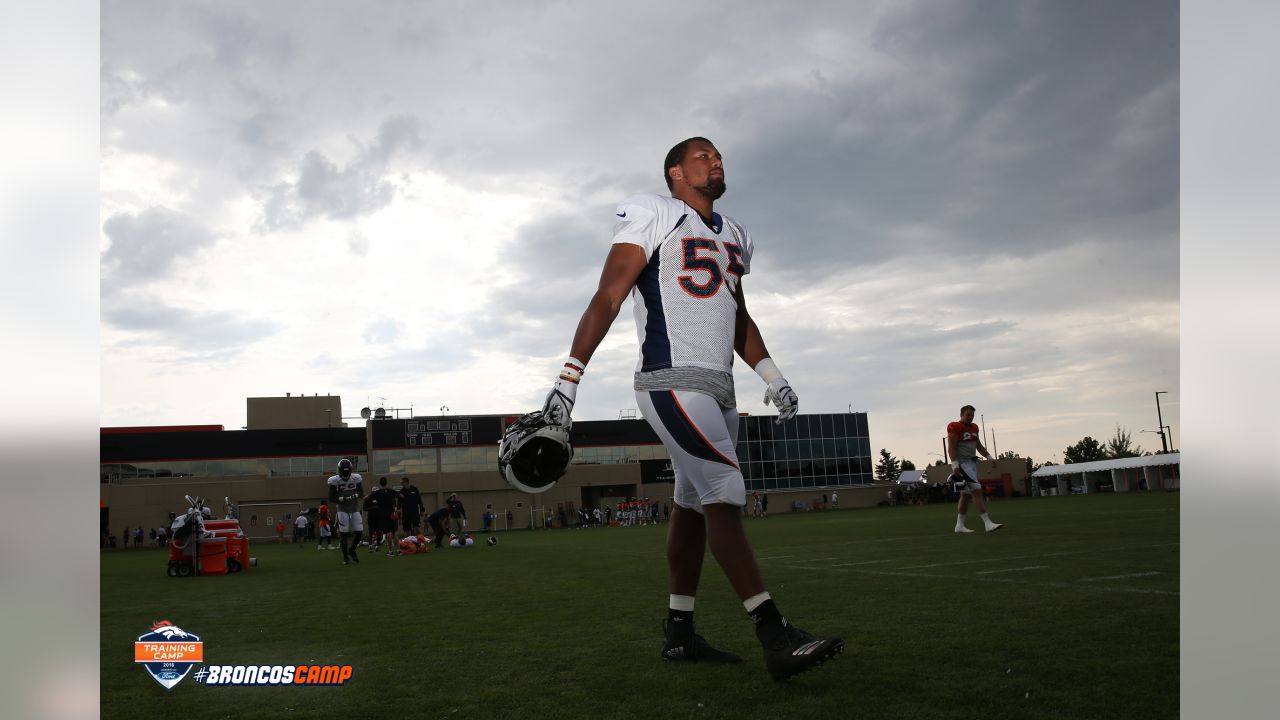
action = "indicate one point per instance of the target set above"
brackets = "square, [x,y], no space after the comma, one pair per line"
[1087,450]
[887,470]
[907,465]
[1121,445]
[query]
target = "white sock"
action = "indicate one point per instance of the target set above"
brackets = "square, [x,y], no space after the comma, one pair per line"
[960,520]
[683,603]
[755,601]
[986,520]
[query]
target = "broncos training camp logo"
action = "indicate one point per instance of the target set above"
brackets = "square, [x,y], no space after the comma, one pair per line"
[168,652]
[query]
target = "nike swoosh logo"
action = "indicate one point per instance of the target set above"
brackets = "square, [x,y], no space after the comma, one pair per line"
[621,214]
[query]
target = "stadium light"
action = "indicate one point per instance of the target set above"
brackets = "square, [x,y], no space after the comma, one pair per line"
[1158,432]
[1163,443]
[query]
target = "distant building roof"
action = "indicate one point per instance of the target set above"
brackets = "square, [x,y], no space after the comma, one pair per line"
[1117,464]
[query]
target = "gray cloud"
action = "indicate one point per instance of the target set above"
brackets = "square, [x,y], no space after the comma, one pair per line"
[145,246]
[381,329]
[325,190]
[980,185]
[994,132]
[358,244]
[448,356]
[184,330]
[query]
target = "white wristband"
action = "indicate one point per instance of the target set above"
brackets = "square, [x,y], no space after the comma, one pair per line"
[572,370]
[767,370]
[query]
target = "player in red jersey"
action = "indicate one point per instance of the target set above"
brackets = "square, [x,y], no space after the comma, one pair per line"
[963,446]
[323,534]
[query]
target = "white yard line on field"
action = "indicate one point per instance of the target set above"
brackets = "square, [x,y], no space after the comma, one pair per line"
[988,578]
[1028,557]
[1119,577]
[1029,567]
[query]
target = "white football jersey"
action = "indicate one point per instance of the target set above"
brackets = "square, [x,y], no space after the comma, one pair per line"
[346,487]
[684,299]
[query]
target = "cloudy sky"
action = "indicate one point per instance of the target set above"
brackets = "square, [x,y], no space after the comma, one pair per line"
[409,203]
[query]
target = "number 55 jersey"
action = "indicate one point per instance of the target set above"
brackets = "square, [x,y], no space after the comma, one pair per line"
[685,307]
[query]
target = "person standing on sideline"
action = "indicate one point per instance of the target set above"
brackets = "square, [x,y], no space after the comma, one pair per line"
[457,512]
[962,446]
[300,528]
[345,490]
[410,507]
[683,263]
[323,534]
[382,517]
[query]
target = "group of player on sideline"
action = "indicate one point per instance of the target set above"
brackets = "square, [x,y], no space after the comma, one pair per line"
[631,513]
[387,510]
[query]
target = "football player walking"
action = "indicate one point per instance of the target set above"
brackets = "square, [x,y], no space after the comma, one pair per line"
[683,264]
[962,446]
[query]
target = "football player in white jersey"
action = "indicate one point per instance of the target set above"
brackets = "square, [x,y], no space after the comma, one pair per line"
[345,490]
[683,263]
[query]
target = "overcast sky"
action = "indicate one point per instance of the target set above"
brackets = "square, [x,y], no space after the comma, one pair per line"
[952,202]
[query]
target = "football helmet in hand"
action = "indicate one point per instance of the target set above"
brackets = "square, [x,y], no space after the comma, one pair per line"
[534,453]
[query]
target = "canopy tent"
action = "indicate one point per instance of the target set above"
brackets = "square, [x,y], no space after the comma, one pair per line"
[1148,472]
[911,477]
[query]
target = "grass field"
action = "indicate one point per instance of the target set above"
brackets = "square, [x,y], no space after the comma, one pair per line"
[1071,611]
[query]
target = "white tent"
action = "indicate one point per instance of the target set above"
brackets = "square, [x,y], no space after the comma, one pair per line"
[1148,472]
[911,477]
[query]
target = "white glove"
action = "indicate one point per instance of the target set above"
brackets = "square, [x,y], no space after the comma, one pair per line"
[778,391]
[784,398]
[564,393]
[955,464]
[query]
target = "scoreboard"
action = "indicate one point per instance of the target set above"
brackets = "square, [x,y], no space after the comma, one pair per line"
[437,432]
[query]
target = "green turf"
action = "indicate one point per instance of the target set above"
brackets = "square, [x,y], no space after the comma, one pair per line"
[1028,622]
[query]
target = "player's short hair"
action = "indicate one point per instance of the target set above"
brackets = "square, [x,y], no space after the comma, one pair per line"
[382,480]
[968,407]
[675,156]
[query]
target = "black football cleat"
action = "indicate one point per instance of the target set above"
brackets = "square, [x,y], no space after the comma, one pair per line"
[681,643]
[790,651]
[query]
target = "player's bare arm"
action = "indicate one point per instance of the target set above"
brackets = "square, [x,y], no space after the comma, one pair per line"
[982,450]
[747,341]
[749,345]
[952,441]
[621,269]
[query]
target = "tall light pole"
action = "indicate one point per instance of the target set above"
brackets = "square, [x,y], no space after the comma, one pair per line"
[983,419]
[1163,443]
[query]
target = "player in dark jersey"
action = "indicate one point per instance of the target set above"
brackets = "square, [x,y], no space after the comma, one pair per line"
[963,444]
[436,520]
[456,511]
[382,517]
[411,507]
